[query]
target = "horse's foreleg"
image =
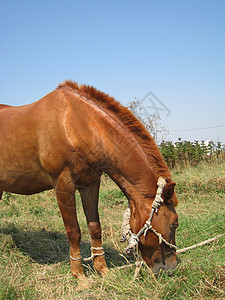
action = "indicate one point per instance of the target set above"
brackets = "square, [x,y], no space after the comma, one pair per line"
[89,196]
[65,193]
[1,192]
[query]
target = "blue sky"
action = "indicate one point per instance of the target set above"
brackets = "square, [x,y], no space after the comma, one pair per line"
[175,49]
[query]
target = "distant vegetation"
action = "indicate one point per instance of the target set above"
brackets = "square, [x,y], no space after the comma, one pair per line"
[185,153]
[181,153]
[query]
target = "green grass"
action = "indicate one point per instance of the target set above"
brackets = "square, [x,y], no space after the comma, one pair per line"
[34,252]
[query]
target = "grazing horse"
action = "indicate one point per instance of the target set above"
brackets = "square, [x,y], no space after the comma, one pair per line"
[65,141]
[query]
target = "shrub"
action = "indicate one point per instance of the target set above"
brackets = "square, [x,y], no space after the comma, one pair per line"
[185,153]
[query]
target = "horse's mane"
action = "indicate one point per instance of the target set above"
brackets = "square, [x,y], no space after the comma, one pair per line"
[128,119]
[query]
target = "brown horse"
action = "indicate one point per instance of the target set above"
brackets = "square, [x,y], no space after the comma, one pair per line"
[2,106]
[65,141]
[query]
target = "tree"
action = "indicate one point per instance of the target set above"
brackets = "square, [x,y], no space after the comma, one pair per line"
[150,121]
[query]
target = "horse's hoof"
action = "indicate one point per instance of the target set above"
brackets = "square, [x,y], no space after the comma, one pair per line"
[104,271]
[83,283]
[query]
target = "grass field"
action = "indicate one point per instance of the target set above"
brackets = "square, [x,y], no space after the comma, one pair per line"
[34,252]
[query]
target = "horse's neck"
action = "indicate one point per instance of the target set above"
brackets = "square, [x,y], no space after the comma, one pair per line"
[109,146]
[123,159]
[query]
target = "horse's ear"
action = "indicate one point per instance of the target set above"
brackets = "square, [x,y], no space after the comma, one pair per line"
[169,191]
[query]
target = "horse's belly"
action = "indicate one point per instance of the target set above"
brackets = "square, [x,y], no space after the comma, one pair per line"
[25,182]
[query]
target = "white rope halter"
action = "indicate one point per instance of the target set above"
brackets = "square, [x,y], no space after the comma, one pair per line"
[134,238]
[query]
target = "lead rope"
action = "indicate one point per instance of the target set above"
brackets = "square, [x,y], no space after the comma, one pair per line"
[93,255]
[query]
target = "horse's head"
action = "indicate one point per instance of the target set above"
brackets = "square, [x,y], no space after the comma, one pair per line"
[154,223]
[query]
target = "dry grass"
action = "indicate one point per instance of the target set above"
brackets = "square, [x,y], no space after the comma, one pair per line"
[34,261]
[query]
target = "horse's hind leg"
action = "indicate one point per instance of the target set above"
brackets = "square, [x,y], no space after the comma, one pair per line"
[89,196]
[1,192]
[65,193]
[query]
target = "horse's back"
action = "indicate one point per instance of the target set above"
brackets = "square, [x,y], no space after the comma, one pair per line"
[3,106]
